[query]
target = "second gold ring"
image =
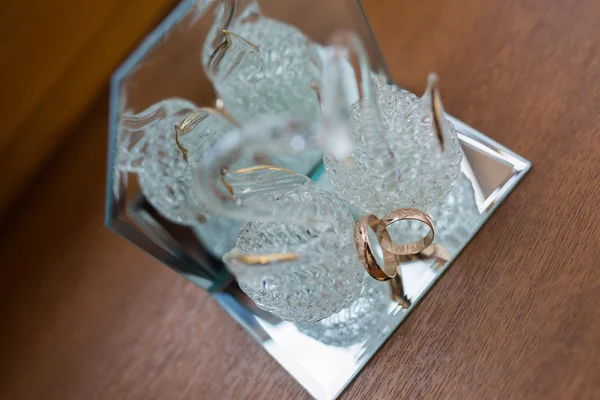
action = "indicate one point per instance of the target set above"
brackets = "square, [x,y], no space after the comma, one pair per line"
[401,248]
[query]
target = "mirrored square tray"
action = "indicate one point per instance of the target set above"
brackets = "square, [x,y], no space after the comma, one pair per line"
[324,356]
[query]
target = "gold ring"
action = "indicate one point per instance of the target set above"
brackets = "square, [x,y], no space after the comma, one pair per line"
[400,248]
[365,252]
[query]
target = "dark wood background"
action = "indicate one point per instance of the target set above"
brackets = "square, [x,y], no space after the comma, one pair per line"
[56,57]
[86,315]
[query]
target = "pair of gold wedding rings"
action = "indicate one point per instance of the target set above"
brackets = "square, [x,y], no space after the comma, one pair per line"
[393,253]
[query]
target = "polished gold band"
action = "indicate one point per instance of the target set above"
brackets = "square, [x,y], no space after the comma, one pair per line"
[393,253]
[365,251]
[401,248]
[390,271]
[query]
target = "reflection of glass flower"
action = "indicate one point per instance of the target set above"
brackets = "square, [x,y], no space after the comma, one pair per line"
[354,323]
[149,149]
[261,66]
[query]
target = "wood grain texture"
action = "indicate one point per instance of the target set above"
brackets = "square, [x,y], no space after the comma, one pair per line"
[86,315]
[56,58]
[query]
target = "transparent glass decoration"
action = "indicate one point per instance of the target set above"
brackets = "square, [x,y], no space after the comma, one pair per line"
[295,257]
[406,152]
[259,65]
[169,64]
[151,149]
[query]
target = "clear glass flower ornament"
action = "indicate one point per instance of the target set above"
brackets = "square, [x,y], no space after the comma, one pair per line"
[259,65]
[406,152]
[150,148]
[295,256]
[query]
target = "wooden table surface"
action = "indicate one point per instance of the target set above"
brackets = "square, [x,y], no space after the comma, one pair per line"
[56,58]
[86,315]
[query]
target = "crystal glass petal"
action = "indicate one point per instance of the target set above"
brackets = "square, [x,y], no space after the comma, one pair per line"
[401,158]
[171,64]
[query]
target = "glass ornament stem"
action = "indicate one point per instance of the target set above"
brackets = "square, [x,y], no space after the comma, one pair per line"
[335,88]
[431,101]
[135,130]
